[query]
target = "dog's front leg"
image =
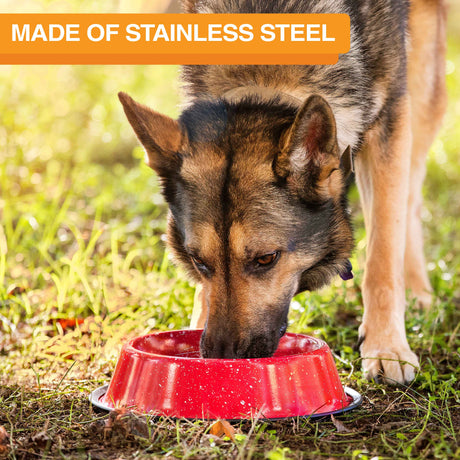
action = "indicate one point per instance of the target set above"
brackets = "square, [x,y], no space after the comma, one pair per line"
[199,312]
[382,171]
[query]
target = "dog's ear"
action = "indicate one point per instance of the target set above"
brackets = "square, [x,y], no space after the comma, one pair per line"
[161,136]
[309,153]
[311,142]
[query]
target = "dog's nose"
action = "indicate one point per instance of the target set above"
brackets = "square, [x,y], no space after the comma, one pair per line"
[215,347]
[226,346]
[218,346]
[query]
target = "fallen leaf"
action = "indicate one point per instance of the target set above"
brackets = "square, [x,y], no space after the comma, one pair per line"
[341,428]
[4,440]
[14,290]
[69,323]
[222,428]
[123,423]
[41,439]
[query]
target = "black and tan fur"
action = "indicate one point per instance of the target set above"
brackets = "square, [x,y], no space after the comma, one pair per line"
[255,171]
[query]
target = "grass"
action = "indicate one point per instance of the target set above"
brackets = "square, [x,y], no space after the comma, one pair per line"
[81,237]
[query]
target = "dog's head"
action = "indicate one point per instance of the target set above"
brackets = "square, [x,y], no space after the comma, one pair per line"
[256,192]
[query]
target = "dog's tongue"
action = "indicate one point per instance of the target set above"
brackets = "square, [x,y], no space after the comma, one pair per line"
[347,274]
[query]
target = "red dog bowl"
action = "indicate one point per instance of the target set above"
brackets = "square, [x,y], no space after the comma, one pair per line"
[163,373]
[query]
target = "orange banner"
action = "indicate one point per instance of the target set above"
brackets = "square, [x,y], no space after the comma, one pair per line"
[173,38]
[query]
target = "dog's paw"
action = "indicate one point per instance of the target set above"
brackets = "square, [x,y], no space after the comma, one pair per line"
[384,360]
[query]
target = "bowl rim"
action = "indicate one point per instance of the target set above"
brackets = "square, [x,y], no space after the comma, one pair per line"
[129,347]
[357,399]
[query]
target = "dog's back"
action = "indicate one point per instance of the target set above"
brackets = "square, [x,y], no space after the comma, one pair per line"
[358,88]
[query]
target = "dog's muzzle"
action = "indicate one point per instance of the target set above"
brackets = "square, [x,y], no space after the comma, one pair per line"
[224,345]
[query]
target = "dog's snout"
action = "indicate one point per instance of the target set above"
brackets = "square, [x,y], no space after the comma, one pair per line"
[228,346]
[218,346]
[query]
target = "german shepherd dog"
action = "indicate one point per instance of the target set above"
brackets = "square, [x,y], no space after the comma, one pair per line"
[254,172]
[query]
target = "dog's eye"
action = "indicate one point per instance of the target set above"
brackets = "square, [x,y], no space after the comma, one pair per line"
[267,259]
[197,261]
[200,265]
